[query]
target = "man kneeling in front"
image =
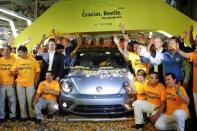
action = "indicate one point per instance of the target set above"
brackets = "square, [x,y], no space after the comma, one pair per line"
[177,103]
[154,103]
[46,97]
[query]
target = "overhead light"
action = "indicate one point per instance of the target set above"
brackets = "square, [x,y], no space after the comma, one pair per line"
[12,13]
[12,26]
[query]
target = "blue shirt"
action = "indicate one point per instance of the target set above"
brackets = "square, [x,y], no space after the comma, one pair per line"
[172,63]
[68,51]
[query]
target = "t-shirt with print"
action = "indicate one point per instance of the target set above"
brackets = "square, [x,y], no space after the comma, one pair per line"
[193,58]
[6,78]
[27,69]
[140,90]
[13,55]
[155,95]
[53,85]
[136,62]
[174,102]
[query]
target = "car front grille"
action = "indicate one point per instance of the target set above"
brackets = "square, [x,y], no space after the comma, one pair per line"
[100,109]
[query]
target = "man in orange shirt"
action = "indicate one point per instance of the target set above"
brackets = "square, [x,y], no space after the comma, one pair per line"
[27,71]
[155,103]
[192,58]
[177,103]
[49,90]
[7,84]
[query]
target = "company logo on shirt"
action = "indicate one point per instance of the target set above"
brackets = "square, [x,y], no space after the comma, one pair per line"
[152,95]
[170,96]
[5,66]
[25,67]
[178,59]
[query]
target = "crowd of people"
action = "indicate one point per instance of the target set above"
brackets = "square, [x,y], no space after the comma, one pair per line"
[163,74]
[162,69]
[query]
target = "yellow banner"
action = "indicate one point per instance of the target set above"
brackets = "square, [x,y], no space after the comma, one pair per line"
[72,16]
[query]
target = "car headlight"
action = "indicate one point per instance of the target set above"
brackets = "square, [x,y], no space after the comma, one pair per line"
[128,88]
[66,86]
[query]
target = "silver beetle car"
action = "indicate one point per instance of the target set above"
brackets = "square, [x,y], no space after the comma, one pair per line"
[96,83]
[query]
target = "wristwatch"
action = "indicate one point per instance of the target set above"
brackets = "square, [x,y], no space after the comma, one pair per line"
[179,93]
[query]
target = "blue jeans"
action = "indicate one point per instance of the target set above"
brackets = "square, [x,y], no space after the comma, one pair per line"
[50,105]
[9,91]
[25,97]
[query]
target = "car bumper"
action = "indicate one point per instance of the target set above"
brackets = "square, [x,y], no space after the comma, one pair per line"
[94,104]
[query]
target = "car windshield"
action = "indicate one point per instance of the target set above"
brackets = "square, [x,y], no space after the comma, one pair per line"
[99,59]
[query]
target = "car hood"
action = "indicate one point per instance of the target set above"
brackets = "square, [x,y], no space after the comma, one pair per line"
[98,81]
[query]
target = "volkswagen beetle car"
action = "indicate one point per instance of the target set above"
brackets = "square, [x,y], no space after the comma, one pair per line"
[96,83]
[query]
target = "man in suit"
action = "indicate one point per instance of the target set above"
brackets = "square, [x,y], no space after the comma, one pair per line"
[52,61]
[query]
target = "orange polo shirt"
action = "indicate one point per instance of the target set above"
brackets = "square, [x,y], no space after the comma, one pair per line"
[193,58]
[136,62]
[155,95]
[140,90]
[53,85]
[27,69]
[6,77]
[174,102]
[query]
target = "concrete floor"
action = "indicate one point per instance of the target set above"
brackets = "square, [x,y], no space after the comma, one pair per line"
[74,123]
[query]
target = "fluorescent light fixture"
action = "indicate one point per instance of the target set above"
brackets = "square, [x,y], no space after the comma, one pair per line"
[12,13]
[12,26]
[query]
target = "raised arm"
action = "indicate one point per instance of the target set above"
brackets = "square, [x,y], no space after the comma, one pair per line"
[116,40]
[41,43]
[79,41]
[176,47]
[126,40]
[26,41]
[122,29]
[191,38]
[54,34]
[182,45]
[181,95]
[73,42]
[150,44]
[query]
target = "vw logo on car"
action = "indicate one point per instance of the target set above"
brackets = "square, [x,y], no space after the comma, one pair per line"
[99,89]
